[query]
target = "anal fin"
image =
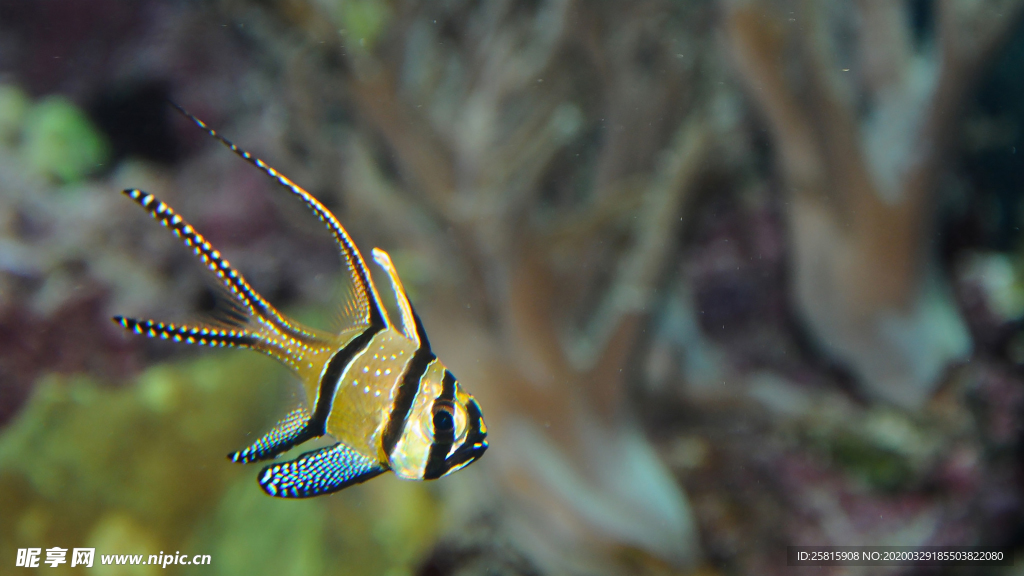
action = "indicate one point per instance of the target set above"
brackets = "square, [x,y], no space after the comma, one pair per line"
[319,472]
[292,430]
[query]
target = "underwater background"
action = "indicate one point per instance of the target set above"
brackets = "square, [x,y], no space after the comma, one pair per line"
[726,276]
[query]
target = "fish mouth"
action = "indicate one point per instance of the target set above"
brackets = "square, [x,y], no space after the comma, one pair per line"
[465,456]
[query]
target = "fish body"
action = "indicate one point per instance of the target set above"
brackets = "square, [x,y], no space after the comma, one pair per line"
[375,386]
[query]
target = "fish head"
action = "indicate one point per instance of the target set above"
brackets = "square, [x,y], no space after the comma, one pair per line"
[445,430]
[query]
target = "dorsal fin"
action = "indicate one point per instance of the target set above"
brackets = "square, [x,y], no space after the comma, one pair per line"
[411,326]
[367,302]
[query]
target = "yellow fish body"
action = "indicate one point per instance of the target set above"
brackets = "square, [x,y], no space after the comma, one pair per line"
[378,390]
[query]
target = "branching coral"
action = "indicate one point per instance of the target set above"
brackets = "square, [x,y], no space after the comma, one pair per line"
[860,130]
[479,109]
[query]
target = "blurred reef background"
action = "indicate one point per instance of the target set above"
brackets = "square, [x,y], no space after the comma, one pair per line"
[725,275]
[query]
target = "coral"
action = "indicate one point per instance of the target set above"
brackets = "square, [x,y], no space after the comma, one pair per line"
[60,141]
[861,129]
[362,20]
[14,104]
[580,469]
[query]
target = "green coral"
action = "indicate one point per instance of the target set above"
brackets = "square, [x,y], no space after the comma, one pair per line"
[61,142]
[362,20]
[14,105]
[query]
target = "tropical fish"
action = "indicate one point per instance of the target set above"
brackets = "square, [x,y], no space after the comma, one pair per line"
[378,390]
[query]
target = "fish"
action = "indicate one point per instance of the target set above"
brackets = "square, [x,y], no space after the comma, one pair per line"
[373,386]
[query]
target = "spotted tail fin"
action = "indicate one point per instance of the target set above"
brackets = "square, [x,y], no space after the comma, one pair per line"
[367,306]
[216,337]
[231,280]
[204,336]
[250,321]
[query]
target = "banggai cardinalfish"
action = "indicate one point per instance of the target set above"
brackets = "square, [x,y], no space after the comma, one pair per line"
[378,390]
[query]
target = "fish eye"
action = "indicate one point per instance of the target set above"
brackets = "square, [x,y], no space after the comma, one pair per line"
[444,420]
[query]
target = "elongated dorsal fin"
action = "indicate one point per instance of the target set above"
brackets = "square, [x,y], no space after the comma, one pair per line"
[368,309]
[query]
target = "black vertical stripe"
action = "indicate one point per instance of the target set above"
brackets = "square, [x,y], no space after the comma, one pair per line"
[421,332]
[443,440]
[332,378]
[407,390]
[376,316]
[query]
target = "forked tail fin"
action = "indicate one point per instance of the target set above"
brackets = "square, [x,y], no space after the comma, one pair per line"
[254,323]
[249,299]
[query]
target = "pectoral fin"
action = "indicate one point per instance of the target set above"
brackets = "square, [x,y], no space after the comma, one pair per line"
[291,431]
[319,472]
